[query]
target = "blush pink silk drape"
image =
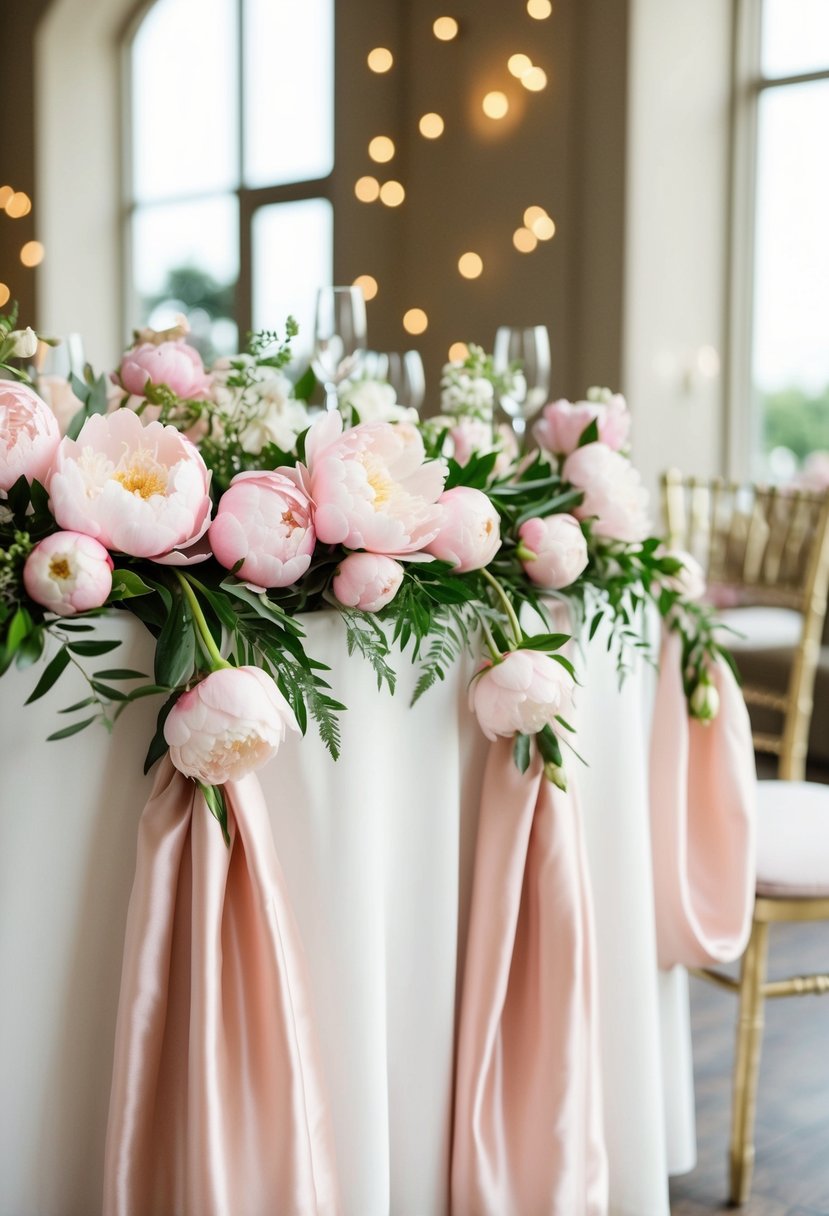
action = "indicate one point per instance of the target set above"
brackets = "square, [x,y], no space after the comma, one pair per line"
[528,1137]
[703,796]
[217,1102]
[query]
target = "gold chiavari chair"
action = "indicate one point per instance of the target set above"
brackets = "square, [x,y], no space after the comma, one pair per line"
[768,547]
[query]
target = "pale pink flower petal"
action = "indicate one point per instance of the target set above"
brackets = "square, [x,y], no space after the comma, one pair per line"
[29,435]
[68,572]
[264,520]
[367,581]
[559,548]
[520,695]
[470,530]
[614,496]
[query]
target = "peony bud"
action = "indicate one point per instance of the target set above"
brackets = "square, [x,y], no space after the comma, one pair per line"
[24,343]
[521,694]
[228,725]
[470,530]
[367,581]
[552,550]
[68,572]
[705,702]
[556,774]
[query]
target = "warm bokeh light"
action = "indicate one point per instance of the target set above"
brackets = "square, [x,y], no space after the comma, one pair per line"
[532,214]
[445,28]
[5,194]
[470,265]
[18,205]
[380,59]
[431,126]
[367,189]
[32,253]
[458,351]
[535,80]
[368,285]
[524,240]
[392,194]
[415,321]
[539,9]
[495,104]
[544,228]
[4,294]
[519,64]
[381,149]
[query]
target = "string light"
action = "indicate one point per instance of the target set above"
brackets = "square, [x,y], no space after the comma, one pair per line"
[32,253]
[381,149]
[544,228]
[392,194]
[445,28]
[458,351]
[431,126]
[367,189]
[524,240]
[18,205]
[4,294]
[380,59]
[495,104]
[535,80]
[470,265]
[5,194]
[368,285]
[539,9]
[519,64]
[415,321]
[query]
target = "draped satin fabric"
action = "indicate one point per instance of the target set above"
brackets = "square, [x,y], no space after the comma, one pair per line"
[703,816]
[528,1137]
[217,1105]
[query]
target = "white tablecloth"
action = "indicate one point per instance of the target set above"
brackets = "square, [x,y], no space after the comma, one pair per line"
[377,851]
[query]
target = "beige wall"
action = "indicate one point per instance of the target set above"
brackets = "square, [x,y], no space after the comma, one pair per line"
[676,232]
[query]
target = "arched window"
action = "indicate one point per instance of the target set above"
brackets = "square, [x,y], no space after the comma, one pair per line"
[229,165]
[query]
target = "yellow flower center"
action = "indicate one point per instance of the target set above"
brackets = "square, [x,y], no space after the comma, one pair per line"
[59,568]
[381,484]
[143,476]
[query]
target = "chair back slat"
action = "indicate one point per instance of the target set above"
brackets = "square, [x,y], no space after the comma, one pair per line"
[761,545]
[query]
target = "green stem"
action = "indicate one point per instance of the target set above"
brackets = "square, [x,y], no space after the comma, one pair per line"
[508,608]
[201,624]
[490,641]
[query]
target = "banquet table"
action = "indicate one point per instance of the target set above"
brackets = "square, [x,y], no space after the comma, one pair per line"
[377,851]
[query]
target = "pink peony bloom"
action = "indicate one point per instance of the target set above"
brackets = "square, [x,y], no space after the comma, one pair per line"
[228,725]
[371,487]
[613,492]
[174,364]
[56,391]
[68,572]
[265,519]
[562,424]
[470,530]
[553,550]
[29,435]
[690,580]
[520,695]
[141,490]
[470,437]
[367,581]
[814,475]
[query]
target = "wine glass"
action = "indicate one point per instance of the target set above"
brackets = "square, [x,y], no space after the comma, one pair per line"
[525,350]
[404,372]
[339,337]
[63,359]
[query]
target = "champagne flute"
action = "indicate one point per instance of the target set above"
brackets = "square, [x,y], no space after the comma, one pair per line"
[63,358]
[526,351]
[405,374]
[339,337]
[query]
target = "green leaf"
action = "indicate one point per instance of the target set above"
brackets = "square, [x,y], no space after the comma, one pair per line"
[175,652]
[305,385]
[521,752]
[590,434]
[71,709]
[545,641]
[31,648]
[126,585]
[21,623]
[52,672]
[548,745]
[120,673]
[158,744]
[215,799]
[91,649]
[70,730]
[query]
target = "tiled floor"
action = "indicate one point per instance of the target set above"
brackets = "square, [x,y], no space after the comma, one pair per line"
[792,1138]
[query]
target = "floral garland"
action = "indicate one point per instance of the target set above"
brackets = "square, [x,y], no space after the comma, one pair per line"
[215,506]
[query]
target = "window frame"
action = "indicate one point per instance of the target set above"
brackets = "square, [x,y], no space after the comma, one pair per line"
[749,85]
[249,198]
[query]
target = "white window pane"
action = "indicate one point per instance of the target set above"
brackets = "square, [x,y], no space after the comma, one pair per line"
[184,99]
[289,91]
[795,36]
[292,259]
[791,317]
[185,259]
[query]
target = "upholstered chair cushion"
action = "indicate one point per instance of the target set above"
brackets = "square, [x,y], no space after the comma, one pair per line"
[793,839]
